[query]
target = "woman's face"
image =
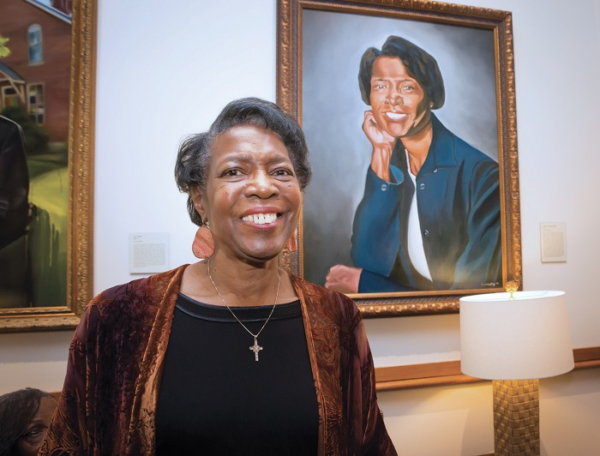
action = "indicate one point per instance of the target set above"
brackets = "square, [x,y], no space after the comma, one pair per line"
[252,197]
[398,101]
[34,434]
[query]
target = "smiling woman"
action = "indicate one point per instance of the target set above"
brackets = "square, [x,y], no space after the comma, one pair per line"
[231,346]
[252,196]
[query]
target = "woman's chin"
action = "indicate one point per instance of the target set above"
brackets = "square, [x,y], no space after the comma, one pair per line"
[262,254]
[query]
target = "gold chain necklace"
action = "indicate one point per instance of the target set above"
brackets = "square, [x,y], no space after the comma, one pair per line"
[255,348]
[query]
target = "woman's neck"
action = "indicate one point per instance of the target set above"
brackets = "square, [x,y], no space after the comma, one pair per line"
[241,284]
[417,146]
[238,283]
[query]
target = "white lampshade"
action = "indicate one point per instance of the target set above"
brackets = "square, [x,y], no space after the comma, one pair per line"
[527,337]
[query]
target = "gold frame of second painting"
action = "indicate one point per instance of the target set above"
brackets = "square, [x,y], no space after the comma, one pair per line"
[289,97]
[81,181]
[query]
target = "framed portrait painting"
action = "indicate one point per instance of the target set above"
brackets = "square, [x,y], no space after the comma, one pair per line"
[408,109]
[47,73]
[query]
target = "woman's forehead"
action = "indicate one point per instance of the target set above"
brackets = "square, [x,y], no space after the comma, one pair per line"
[248,142]
[391,68]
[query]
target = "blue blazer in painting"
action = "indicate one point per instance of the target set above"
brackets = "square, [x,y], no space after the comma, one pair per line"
[459,213]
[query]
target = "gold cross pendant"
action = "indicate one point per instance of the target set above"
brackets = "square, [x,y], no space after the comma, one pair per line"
[255,348]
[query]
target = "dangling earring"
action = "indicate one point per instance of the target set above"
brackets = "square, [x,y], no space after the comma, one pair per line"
[204,244]
[292,242]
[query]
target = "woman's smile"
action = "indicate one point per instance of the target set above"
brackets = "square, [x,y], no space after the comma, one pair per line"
[260,219]
[395,116]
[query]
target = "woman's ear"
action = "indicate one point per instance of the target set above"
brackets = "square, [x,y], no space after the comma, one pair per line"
[198,202]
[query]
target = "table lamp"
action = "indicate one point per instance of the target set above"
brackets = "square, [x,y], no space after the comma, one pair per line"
[514,339]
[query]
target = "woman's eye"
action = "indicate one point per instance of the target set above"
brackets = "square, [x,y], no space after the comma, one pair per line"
[379,86]
[232,173]
[36,435]
[408,88]
[283,172]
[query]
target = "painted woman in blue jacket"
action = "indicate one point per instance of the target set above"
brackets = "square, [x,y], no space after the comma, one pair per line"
[430,215]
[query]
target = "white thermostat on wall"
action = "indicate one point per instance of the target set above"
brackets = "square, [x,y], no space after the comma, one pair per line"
[148,253]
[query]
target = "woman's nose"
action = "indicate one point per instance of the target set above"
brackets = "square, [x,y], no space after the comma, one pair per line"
[260,184]
[395,97]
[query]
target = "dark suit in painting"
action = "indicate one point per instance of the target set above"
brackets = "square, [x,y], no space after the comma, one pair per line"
[459,214]
[14,183]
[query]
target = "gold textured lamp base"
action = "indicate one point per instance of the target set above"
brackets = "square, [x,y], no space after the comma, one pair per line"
[516,417]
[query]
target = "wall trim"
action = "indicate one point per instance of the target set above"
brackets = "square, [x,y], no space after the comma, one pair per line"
[448,372]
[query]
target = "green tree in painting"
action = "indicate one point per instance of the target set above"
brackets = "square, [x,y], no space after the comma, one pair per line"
[4,51]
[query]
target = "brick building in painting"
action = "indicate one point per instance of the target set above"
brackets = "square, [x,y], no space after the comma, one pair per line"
[36,75]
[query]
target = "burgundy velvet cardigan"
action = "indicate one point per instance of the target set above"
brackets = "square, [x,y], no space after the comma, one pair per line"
[108,404]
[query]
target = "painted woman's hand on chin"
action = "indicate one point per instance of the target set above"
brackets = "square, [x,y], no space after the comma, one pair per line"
[383,146]
[342,278]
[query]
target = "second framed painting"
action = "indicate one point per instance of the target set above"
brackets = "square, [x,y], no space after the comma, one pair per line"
[409,113]
[47,74]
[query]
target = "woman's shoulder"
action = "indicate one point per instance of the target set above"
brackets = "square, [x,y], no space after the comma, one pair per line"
[129,306]
[147,288]
[322,300]
[463,151]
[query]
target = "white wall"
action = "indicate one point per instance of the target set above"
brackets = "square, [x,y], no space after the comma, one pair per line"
[166,71]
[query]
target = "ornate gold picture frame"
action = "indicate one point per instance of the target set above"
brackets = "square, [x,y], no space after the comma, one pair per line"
[81,179]
[320,45]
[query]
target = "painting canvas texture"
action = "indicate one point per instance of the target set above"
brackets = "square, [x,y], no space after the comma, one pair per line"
[35,50]
[333,112]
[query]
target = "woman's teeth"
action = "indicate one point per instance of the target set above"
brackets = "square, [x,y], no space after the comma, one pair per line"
[395,116]
[260,219]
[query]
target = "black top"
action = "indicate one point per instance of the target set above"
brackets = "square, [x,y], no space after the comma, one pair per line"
[215,399]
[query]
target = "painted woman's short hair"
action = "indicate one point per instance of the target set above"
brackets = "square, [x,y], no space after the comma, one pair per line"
[420,65]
